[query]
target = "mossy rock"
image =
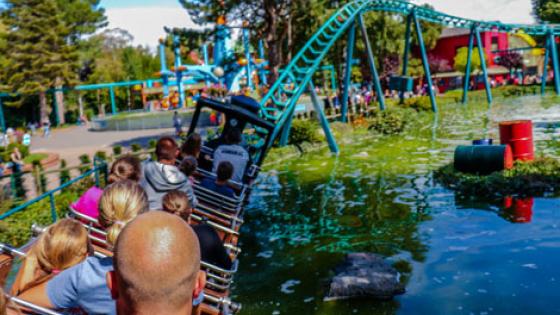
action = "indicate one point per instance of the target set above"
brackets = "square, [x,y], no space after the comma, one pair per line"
[537,178]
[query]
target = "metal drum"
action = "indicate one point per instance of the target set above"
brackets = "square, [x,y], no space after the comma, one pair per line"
[483,142]
[483,159]
[519,135]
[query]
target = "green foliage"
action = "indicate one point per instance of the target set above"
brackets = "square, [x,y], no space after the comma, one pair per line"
[85,162]
[526,179]
[6,152]
[117,150]
[303,131]
[388,122]
[64,173]
[152,144]
[421,103]
[101,155]
[460,61]
[517,90]
[40,178]
[18,185]
[136,147]
[547,10]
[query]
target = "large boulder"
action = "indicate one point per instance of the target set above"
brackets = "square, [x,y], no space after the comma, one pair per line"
[365,275]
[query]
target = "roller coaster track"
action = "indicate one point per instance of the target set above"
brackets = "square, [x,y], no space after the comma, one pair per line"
[279,103]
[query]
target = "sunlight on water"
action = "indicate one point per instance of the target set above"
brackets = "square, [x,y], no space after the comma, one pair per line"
[380,196]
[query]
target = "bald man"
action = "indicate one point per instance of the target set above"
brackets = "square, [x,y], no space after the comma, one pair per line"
[157,266]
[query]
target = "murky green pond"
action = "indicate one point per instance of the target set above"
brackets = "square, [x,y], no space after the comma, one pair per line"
[379,195]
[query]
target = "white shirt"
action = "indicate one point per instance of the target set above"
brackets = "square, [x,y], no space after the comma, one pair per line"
[236,155]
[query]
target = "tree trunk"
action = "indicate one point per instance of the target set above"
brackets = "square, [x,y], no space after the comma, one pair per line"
[43,110]
[274,49]
[80,105]
[59,96]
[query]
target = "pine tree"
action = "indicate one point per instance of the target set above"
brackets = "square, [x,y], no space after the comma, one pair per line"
[39,55]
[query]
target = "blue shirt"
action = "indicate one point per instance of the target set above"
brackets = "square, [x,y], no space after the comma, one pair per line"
[83,286]
[223,190]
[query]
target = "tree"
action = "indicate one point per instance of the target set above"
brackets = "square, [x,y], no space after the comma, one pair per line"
[547,10]
[40,58]
[511,60]
[460,61]
[438,64]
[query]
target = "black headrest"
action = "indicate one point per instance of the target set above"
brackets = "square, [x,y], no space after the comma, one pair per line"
[246,102]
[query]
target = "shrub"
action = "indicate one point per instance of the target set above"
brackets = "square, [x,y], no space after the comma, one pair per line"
[135,147]
[304,131]
[152,144]
[64,173]
[388,122]
[89,114]
[117,150]
[101,155]
[421,103]
[85,162]
[40,178]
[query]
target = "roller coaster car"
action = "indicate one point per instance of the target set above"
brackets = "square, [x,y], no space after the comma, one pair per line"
[241,113]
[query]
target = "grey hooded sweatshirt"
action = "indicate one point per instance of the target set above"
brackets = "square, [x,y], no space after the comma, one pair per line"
[159,179]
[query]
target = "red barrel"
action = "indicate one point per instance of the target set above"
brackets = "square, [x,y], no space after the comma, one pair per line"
[519,135]
[519,210]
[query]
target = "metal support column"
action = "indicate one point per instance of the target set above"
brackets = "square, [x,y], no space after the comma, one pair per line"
[483,66]
[247,49]
[262,71]
[425,62]
[2,120]
[406,52]
[467,79]
[113,103]
[371,61]
[554,55]
[545,65]
[164,74]
[178,72]
[348,73]
[205,56]
[323,120]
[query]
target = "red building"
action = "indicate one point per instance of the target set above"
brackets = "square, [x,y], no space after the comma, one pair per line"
[452,39]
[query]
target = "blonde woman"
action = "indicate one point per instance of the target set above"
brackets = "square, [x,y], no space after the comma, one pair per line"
[84,285]
[63,245]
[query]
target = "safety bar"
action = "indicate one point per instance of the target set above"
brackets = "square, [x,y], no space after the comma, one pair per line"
[225,302]
[35,308]
[9,250]
[225,216]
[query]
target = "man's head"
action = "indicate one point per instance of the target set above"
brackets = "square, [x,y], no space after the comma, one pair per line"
[157,266]
[233,136]
[167,150]
[225,171]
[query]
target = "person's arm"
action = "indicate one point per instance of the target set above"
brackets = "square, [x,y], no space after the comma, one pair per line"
[38,296]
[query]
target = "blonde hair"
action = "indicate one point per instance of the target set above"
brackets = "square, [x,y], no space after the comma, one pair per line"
[120,203]
[61,246]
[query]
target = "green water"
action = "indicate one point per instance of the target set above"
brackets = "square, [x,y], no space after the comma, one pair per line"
[380,196]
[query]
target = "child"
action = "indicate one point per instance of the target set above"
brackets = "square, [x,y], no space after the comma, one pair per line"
[220,185]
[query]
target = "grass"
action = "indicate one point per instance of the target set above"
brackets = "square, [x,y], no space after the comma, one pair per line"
[34,157]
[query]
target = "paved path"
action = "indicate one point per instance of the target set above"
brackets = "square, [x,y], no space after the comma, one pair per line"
[74,141]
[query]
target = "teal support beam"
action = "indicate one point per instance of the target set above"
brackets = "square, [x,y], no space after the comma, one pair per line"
[2,120]
[545,65]
[371,61]
[55,110]
[554,55]
[348,73]
[425,62]
[323,120]
[406,51]
[483,66]
[248,68]
[467,78]
[113,102]
[285,136]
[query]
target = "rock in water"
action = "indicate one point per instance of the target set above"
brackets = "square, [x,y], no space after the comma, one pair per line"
[365,275]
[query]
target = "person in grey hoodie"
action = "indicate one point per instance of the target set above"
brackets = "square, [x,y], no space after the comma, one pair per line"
[162,176]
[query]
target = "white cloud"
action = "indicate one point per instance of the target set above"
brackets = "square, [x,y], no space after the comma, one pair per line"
[507,11]
[146,23]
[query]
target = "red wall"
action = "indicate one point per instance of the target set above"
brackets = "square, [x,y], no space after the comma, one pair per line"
[446,48]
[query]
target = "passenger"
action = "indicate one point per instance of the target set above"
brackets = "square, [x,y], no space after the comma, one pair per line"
[233,153]
[84,285]
[162,176]
[124,168]
[155,277]
[188,167]
[211,246]
[61,246]
[192,146]
[220,185]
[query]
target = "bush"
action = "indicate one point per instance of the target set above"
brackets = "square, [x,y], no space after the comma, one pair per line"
[152,144]
[135,147]
[40,178]
[101,155]
[525,179]
[421,103]
[89,114]
[64,173]
[6,152]
[117,150]
[85,162]
[304,131]
[387,122]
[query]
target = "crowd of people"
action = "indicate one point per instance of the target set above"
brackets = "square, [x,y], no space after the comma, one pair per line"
[146,213]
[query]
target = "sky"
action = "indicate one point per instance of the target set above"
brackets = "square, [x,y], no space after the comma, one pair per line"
[145,19]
